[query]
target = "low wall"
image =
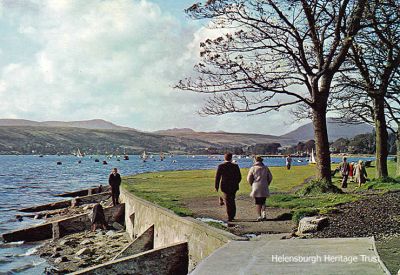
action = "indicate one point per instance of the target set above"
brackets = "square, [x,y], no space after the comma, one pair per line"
[170,228]
[168,260]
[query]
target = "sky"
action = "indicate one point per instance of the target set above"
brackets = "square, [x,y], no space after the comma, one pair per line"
[116,60]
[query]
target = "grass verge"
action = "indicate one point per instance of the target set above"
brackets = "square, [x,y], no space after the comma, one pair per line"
[170,189]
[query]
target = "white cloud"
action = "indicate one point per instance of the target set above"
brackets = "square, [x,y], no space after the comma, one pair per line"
[115,60]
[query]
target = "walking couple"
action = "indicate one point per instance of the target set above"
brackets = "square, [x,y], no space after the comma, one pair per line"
[228,178]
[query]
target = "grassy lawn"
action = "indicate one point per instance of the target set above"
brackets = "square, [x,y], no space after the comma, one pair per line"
[170,189]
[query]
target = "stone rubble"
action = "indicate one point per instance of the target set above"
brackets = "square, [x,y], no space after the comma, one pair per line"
[84,249]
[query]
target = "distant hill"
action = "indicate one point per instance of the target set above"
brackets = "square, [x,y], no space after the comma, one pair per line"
[19,136]
[227,139]
[18,122]
[335,131]
[86,124]
[52,140]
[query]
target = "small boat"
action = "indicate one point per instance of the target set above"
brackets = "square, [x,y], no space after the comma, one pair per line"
[162,157]
[105,162]
[126,157]
[79,161]
[96,160]
[79,153]
[144,156]
[59,162]
[118,159]
[312,157]
[40,156]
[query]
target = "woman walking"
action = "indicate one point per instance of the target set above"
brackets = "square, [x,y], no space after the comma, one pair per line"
[259,178]
[360,173]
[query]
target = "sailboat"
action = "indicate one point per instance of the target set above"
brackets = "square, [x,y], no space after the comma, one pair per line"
[79,153]
[312,157]
[162,157]
[126,157]
[144,156]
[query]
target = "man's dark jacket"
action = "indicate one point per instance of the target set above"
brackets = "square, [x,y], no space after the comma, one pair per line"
[114,181]
[229,176]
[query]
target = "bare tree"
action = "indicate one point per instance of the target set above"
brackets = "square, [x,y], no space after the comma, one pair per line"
[275,54]
[393,111]
[375,52]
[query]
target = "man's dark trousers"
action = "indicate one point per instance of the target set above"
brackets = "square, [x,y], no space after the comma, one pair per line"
[229,200]
[115,194]
[344,181]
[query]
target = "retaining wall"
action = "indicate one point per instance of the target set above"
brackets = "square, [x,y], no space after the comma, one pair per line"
[170,228]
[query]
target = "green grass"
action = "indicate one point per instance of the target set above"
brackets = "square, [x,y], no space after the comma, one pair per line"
[170,189]
[321,201]
[384,184]
[200,183]
[217,225]
[318,187]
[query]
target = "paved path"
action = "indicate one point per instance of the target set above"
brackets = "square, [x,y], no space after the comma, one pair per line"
[271,255]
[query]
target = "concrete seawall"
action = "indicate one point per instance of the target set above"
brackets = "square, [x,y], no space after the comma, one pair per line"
[170,228]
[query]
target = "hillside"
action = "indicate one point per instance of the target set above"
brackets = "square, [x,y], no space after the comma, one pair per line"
[86,124]
[52,140]
[100,136]
[335,131]
[227,139]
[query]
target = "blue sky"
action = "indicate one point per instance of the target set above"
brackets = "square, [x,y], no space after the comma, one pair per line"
[111,59]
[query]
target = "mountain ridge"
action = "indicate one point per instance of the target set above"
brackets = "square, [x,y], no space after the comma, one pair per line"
[336,130]
[79,132]
[99,124]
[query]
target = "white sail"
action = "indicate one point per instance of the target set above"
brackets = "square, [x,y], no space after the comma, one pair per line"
[79,154]
[144,156]
[312,157]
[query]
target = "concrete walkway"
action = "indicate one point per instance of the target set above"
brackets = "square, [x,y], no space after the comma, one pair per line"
[271,255]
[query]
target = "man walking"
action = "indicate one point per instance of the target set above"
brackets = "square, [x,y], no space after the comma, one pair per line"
[115,181]
[344,170]
[228,177]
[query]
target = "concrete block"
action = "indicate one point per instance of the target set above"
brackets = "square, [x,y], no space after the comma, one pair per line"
[142,243]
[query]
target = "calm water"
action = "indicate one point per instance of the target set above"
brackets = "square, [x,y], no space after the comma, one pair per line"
[30,180]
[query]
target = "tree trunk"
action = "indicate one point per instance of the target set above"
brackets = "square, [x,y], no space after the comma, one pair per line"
[381,138]
[398,150]
[323,157]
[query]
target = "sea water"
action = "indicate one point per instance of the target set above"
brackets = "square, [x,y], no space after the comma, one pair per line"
[31,180]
